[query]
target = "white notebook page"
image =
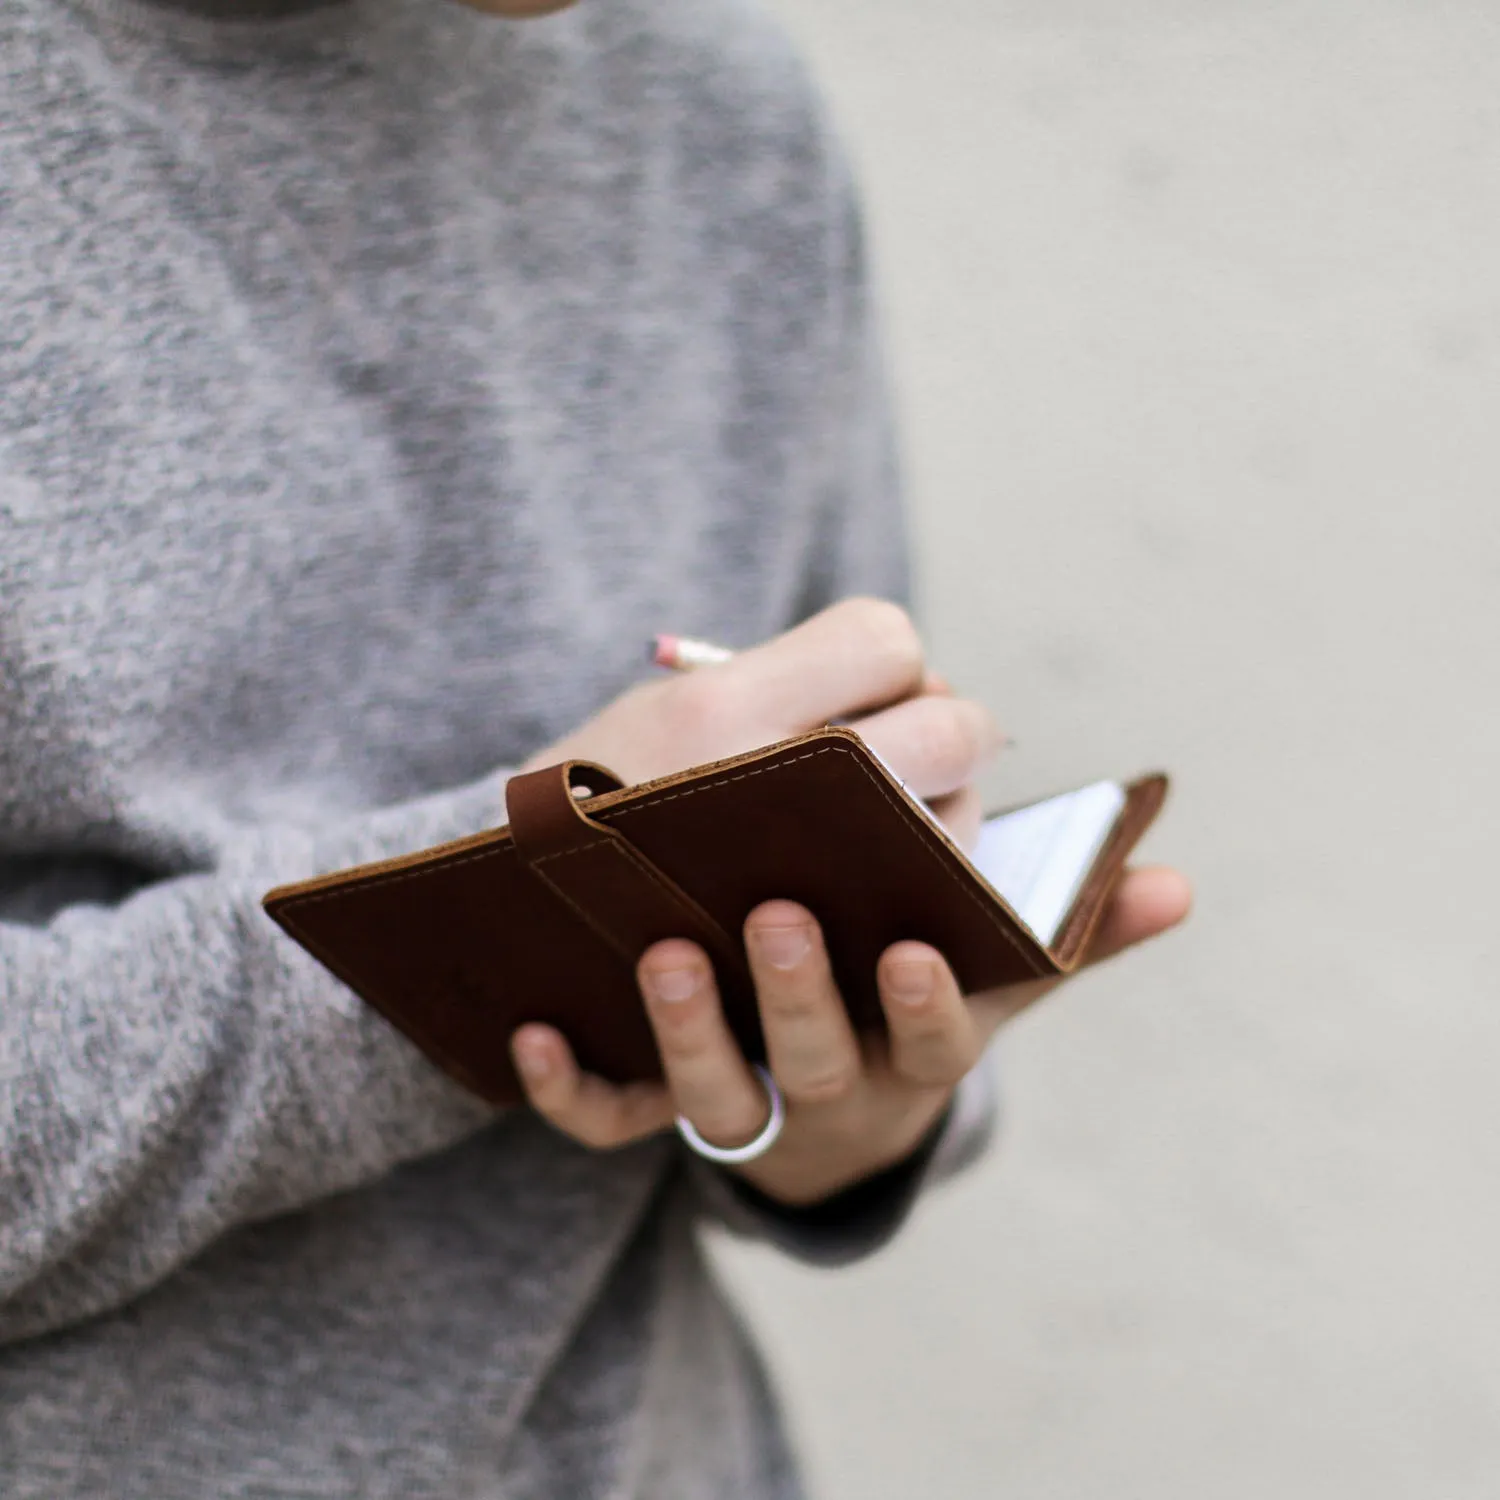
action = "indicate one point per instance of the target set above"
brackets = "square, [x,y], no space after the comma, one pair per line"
[1037,857]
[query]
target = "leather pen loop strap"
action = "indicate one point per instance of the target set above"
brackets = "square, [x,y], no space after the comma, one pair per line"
[545,818]
[607,882]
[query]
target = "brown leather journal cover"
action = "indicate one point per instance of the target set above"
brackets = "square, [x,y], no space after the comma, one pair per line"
[544,919]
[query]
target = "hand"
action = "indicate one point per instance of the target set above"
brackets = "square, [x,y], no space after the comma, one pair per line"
[860,661]
[854,1105]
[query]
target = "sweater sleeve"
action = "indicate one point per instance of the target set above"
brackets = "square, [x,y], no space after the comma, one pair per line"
[172,1066]
[861,542]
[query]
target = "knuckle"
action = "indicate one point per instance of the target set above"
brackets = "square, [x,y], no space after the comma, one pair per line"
[830,1086]
[960,734]
[794,1007]
[682,1046]
[930,1060]
[938,1054]
[933,1073]
[966,1052]
[893,638]
[947,739]
[685,1031]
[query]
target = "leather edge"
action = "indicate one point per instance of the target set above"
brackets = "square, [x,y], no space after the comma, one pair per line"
[1144,799]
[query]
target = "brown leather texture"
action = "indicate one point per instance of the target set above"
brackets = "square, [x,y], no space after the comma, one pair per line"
[543,920]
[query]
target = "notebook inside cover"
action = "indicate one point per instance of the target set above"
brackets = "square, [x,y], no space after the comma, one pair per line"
[1038,857]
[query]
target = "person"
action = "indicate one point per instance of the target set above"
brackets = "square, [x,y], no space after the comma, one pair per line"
[377,378]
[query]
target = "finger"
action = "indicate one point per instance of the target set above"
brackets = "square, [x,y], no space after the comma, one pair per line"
[814,1053]
[934,744]
[853,656]
[598,1114]
[1147,902]
[934,1039]
[707,1076]
[962,814]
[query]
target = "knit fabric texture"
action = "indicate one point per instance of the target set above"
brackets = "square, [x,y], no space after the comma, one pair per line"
[374,381]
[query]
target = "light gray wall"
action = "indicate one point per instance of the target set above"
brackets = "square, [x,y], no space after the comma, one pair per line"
[1196,309]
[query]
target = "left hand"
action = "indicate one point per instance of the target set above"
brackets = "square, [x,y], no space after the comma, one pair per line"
[854,1105]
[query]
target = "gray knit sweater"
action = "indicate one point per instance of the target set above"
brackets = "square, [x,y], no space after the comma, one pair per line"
[373,382]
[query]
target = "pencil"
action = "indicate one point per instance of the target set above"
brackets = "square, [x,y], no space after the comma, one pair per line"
[683,653]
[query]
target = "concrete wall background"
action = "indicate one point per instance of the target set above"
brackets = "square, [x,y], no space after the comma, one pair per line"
[1196,311]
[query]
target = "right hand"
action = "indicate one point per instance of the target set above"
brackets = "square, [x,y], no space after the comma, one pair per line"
[860,661]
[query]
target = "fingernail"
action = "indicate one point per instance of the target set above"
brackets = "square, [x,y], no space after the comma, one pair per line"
[673,985]
[533,1060]
[909,983]
[782,947]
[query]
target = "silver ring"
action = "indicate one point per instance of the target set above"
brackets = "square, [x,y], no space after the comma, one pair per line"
[733,1155]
